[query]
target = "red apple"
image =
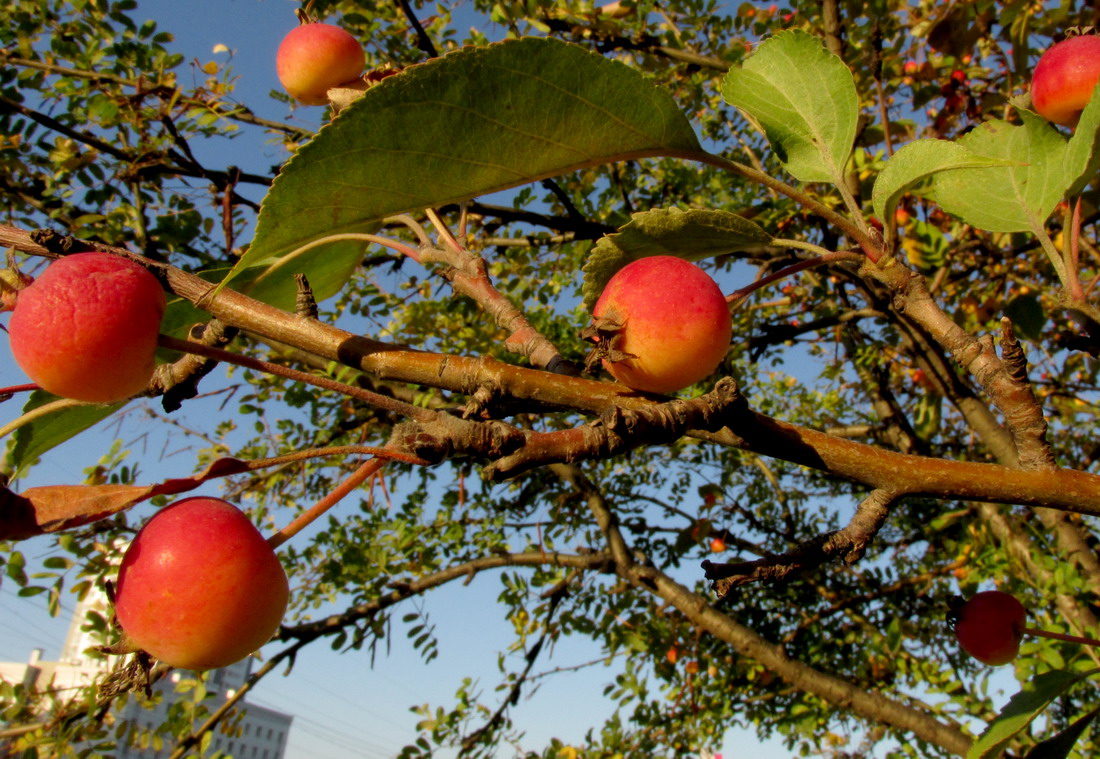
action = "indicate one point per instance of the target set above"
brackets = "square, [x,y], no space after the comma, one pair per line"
[199,587]
[990,626]
[1065,77]
[314,58]
[666,323]
[87,327]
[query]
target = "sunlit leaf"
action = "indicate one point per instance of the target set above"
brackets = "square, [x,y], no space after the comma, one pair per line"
[472,122]
[804,98]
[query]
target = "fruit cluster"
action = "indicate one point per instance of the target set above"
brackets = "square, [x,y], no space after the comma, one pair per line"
[199,587]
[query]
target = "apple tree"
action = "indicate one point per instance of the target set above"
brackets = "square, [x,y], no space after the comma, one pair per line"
[390,335]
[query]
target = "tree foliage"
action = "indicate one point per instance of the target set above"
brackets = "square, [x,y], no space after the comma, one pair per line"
[905,413]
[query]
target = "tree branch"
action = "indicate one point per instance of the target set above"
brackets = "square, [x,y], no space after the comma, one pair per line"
[847,544]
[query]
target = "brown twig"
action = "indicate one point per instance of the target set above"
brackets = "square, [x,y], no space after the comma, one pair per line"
[1065,489]
[847,544]
[366,471]
[325,383]
[618,430]
[469,276]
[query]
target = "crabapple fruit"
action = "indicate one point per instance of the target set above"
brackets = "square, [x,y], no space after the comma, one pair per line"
[990,626]
[313,58]
[661,324]
[1065,77]
[199,587]
[87,328]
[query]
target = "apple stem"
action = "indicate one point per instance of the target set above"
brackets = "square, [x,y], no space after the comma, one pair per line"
[826,257]
[1061,636]
[13,389]
[1072,250]
[385,242]
[444,233]
[367,470]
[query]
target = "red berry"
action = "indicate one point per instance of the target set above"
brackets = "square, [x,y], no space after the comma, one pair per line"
[990,626]
[1064,79]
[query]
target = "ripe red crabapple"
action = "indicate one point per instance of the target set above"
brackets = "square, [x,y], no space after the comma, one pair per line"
[199,587]
[661,324]
[990,626]
[87,327]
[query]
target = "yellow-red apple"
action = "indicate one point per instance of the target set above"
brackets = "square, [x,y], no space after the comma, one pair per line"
[661,324]
[314,58]
[1065,77]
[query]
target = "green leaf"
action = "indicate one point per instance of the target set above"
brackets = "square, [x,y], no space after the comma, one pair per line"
[472,122]
[1058,746]
[1022,709]
[692,235]
[916,162]
[39,436]
[1028,318]
[804,98]
[1016,198]
[327,269]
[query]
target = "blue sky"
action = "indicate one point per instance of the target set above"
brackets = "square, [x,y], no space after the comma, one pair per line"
[344,705]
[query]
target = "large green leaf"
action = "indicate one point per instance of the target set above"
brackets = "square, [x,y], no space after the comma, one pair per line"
[1059,745]
[327,268]
[918,161]
[804,98]
[1016,198]
[691,235]
[1082,154]
[472,122]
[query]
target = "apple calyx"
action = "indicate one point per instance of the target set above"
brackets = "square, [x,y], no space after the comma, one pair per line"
[605,333]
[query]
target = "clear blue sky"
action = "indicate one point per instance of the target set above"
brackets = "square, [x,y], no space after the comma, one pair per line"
[344,705]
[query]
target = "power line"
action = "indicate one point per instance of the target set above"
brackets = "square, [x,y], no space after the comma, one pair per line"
[335,736]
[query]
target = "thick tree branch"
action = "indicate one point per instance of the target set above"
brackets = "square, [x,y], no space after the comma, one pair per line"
[1065,489]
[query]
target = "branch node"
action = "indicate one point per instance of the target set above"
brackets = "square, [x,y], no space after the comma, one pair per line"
[305,304]
[1012,353]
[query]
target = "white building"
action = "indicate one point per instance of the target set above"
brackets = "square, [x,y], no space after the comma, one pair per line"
[260,733]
